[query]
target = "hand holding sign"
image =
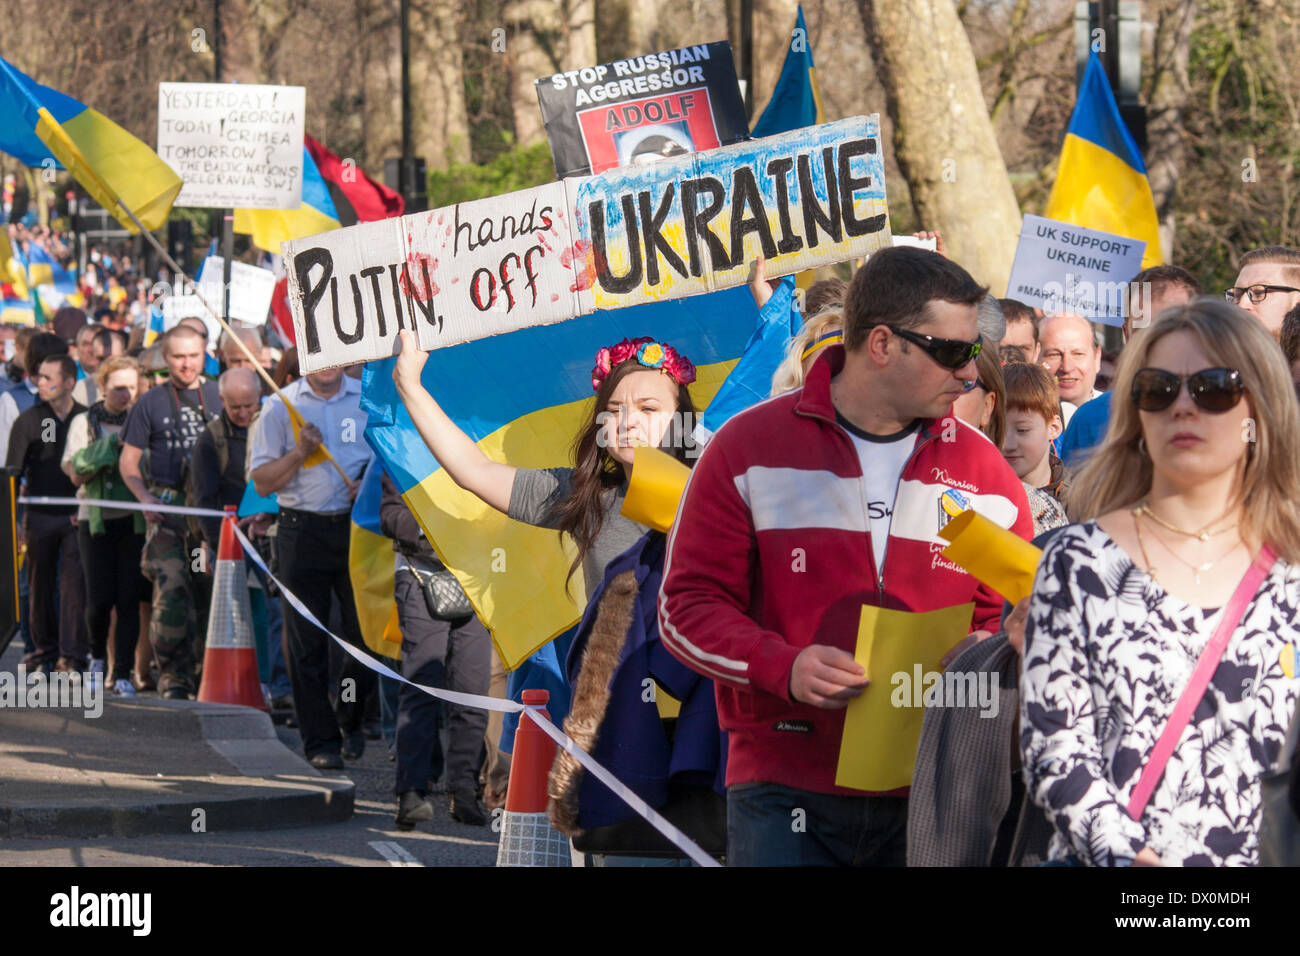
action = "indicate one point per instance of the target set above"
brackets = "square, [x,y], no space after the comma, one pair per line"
[410,362]
[826,677]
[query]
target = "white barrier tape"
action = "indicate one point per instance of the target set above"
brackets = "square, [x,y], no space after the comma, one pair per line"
[121,505]
[620,790]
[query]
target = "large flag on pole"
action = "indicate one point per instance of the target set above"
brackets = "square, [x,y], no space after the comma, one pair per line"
[796,101]
[43,127]
[522,397]
[270,227]
[1101,180]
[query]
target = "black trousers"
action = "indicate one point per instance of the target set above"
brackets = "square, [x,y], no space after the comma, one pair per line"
[111,562]
[54,566]
[312,552]
[455,655]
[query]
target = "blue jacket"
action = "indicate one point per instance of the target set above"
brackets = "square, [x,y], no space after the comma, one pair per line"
[633,743]
[1086,429]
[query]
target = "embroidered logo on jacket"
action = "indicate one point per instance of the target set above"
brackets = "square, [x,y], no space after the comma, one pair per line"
[793,726]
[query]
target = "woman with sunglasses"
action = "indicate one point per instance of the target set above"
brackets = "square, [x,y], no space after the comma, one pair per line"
[1160,645]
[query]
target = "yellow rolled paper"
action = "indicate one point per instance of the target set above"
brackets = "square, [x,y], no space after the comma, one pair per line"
[655,488]
[993,555]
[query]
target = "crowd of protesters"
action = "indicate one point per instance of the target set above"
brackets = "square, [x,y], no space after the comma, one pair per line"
[910,396]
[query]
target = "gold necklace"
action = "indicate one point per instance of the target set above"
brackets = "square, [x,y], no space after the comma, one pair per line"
[1137,527]
[1205,534]
[1195,568]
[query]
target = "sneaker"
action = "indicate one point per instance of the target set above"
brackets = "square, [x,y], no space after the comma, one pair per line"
[124,688]
[413,807]
[175,693]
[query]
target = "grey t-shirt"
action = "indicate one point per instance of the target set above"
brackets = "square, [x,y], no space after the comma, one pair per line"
[533,500]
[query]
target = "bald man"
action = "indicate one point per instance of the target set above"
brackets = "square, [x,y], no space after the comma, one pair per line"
[217,475]
[1071,351]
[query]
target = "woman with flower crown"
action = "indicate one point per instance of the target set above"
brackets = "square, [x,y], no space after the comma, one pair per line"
[641,395]
[641,387]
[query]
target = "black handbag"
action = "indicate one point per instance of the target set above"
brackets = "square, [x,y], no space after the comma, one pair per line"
[443,595]
[1279,831]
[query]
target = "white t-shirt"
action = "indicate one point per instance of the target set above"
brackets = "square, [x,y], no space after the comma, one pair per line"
[883,458]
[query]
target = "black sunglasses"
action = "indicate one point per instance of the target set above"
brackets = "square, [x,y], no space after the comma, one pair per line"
[952,354]
[1213,389]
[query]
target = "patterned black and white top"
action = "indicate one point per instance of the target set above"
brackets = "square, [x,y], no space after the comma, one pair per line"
[1107,654]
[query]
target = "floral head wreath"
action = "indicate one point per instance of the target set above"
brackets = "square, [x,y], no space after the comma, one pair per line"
[647,352]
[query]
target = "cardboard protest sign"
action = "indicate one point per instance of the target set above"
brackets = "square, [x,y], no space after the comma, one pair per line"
[802,199]
[642,109]
[1064,268]
[680,227]
[234,145]
[451,275]
[251,289]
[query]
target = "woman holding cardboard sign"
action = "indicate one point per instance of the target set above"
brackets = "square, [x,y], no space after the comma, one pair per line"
[1160,645]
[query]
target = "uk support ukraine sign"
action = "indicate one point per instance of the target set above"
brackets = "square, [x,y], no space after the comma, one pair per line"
[680,227]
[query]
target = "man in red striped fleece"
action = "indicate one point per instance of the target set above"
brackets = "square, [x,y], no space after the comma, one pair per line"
[806,507]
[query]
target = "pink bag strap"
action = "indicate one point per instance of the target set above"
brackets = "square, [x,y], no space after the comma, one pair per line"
[1206,665]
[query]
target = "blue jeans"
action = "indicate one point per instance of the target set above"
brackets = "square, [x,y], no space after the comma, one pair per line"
[773,825]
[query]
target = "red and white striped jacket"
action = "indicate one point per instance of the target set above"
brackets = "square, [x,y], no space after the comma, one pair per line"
[771,552]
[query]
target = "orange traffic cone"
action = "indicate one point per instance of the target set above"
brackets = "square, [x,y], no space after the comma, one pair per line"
[527,837]
[230,656]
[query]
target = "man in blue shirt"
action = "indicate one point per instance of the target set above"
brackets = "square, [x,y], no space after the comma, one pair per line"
[315,528]
[1150,293]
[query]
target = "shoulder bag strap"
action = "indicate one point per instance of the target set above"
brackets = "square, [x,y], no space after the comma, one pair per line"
[1206,665]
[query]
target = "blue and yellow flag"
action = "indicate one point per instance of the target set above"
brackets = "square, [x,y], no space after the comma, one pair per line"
[796,101]
[370,566]
[1101,180]
[270,227]
[523,397]
[38,124]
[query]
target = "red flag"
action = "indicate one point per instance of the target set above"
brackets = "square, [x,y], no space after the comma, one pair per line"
[357,197]
[281,317]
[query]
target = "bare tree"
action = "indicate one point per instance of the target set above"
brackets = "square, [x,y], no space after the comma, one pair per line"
[943,139]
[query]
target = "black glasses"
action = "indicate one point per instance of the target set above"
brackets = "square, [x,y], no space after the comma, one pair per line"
[952,354]
[1257,293]
[972,385]
[1213,389]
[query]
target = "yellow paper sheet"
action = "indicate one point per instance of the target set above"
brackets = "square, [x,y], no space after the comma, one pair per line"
[993,555]
[655,489]
[878,749]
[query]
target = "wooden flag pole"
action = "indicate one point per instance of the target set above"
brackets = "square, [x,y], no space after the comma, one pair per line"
[216,314]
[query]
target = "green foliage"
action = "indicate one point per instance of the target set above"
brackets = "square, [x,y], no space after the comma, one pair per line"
[517,168]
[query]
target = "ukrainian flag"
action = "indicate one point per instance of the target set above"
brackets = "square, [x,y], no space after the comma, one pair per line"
[157,325]
[522,397]
[50,279]
[796,101]
[1101,180]
[38,124]
[370,566]
[270,227]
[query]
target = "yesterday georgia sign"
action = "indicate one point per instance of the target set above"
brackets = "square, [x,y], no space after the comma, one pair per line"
[680,227]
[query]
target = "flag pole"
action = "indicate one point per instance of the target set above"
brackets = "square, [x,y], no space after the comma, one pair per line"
[257,365]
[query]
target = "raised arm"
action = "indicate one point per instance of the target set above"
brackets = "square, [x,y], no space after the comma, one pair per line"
[465,462]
